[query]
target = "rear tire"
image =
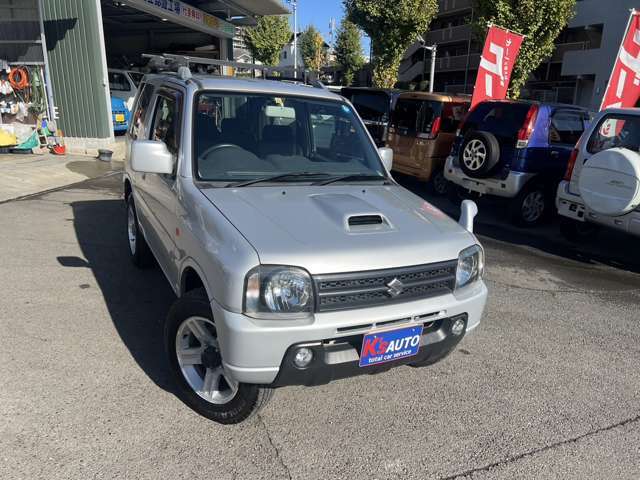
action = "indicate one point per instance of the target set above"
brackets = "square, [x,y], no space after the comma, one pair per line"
[576,231]
[438,184]
[139,251]
[190,328]
[531,206]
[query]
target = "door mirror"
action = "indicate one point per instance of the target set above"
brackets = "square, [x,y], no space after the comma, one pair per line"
[151,156]
[386,155]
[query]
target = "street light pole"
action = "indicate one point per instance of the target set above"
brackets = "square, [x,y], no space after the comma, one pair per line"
[434,49]
[295,38]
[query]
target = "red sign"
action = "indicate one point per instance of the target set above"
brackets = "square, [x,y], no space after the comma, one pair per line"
[498,58]
[623,90]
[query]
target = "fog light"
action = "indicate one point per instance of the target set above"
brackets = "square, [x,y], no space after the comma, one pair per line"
[458,327]
[303,357]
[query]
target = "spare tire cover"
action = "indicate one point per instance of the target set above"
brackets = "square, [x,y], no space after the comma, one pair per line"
[610,182]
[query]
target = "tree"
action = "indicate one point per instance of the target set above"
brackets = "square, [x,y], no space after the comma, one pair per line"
[266,39]
[392,25]
[541,21]
[349,50]
[312,48]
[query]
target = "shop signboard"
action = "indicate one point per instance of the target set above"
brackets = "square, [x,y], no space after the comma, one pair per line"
[184,14]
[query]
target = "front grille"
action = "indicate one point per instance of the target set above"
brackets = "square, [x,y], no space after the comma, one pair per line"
[378,287]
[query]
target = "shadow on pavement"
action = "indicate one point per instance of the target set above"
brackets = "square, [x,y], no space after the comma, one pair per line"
[138,300]
[608,247]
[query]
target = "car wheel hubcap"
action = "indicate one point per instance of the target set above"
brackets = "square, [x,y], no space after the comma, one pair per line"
[474,155]
[533,206]
[200,361]
[131,229]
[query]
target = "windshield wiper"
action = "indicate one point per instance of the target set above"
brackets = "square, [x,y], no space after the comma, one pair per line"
[273,178]
[351,178]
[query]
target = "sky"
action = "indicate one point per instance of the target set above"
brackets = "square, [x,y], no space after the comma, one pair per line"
[319,13]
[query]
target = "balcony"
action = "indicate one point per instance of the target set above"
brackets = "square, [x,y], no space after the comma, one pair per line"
[562,48]
[461,33]
[451,6]
[457,63]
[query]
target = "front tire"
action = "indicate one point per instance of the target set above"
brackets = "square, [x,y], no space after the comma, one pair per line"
[195,361]
[139,251]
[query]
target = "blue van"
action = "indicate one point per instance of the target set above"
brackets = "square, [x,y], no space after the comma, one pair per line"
[517,150]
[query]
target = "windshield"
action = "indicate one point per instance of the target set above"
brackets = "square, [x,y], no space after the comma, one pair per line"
[238,138]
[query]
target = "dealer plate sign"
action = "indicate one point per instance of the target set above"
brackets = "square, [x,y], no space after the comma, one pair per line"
[387,346]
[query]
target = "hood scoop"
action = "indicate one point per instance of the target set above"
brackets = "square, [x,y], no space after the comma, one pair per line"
[352,213]
[363,220]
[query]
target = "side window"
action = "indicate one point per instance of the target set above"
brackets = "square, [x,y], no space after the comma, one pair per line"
[165,123]
[615,131]
[452,114]
[140,111]
[566,127]
[136,78]
[118,82]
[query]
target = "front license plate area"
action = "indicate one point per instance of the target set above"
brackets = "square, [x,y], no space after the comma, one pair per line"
[388,345]
[119,117]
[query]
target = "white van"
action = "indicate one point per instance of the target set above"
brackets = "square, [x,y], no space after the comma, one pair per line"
[602,183]
[123,84]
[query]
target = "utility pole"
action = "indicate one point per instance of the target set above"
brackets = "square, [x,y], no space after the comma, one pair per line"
[295,38]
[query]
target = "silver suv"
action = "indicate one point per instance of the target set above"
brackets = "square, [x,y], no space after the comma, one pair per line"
[296,258]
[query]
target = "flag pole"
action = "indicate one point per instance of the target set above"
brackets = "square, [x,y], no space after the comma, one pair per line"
[633,12]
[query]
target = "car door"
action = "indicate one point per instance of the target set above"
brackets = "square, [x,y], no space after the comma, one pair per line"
[159,190]
[565,128]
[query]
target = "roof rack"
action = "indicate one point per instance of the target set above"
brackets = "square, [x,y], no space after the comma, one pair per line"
[184,65]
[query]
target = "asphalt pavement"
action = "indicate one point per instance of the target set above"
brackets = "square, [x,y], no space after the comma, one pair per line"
[546,388]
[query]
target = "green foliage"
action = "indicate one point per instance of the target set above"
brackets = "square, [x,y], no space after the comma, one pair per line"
[540,20]
[348,50]
[392,25]
[266,39]
[312,49]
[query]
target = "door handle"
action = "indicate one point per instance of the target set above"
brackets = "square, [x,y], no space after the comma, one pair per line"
[555,154]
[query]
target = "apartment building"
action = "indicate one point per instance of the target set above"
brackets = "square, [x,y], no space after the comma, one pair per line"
[577,72]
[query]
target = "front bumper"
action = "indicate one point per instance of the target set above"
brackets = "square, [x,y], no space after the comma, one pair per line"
[334,360]
[508,188]
[254,351]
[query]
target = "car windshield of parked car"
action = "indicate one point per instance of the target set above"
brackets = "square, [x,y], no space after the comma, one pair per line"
[246,137]
[616,131]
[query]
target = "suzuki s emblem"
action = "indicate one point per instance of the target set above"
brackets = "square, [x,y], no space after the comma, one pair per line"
[395,287]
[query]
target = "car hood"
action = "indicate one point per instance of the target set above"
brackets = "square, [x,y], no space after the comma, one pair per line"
[328,229]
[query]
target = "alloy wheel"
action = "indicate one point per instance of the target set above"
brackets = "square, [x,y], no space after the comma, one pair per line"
[131,229]
[200,361]
[533,206]
[474,155]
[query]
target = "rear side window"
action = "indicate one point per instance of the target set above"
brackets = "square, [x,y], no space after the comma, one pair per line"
[615,131]
[504,119]
[452,114]
[140,111]
[566,127]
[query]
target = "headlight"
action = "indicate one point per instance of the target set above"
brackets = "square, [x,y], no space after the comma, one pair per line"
[278,290]
[470,266]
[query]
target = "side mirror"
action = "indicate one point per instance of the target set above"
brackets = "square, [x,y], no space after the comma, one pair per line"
[386,154]
[151,156]
[468,211]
